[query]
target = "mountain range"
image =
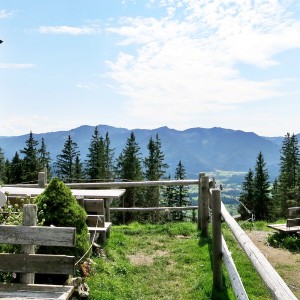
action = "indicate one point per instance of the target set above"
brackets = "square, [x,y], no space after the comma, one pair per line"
[199,149]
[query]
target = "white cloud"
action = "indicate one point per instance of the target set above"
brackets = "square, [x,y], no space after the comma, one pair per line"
[186,62]
[4,14]
[87,85]
[71,30]
[16,66]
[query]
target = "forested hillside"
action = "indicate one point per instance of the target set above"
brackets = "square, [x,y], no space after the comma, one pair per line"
[199,149]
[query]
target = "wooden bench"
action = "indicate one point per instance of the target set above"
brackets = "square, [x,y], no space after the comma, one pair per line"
[28,263]
[292,224]
[95,209]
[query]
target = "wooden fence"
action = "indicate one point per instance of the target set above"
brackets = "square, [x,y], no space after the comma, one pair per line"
[210,207]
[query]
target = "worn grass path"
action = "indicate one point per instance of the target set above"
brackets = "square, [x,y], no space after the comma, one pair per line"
[168,261]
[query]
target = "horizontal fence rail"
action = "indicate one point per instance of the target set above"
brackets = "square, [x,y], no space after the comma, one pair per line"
[161,208]
[275,284]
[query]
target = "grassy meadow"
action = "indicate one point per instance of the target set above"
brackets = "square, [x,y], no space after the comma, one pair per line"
[166,261]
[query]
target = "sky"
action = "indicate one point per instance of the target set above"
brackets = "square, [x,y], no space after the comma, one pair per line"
[150,63]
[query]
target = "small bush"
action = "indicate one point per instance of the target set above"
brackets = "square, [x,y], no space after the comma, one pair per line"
[281,240]
[57,206]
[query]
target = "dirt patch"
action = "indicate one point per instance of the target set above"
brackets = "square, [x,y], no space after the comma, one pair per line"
[182,237]
[287,264]
[142,259]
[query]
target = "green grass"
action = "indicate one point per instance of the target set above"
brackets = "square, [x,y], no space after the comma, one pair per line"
[168,261]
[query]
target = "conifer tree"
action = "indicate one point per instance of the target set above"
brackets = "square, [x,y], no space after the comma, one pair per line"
[78,170]
[65,162]
[262,201]
[94,157]
[181,194]
[246,207]
[99,163]
[2,167]
[16,169]
[108,158]
[154,170]
[31,165]
[44,158]
[129,167]
[288,185]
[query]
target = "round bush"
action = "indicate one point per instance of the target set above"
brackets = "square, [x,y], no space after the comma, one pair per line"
[57,206]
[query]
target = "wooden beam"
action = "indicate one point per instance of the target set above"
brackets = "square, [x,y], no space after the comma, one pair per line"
[95,206]
[37,235]
[37,263]
[35,291]
[275,284]
[234,276]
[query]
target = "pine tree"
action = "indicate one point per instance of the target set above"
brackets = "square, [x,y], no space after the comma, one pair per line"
[108,158]
[31,163]
[129,167]
[289,169]
[7,171]
[65,162]
[2,167]
[44,158]
[78,170]
[16,169]
[262,202]
[154,170]
[94,157]
[99,164]
[246,207]
[181,192]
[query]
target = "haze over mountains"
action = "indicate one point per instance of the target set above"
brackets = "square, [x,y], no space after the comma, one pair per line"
[200,149]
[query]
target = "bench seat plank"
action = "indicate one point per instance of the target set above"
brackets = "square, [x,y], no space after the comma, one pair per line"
[35,291]
[37,263]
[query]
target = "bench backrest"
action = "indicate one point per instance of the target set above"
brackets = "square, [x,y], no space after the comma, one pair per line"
[41,236]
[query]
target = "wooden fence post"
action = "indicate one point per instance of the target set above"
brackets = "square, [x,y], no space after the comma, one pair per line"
[217,239]
[200,202]
[204,205]
[29,219]
[42,179]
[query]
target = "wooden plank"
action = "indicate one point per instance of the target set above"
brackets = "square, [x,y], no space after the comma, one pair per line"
[95,220]
[35,291]
[37,263]
[100,229]
[109,193]
[95,206]
[293,222]
[284,228]
[275,284]
[294,212]
[234,276]
[29,219]
[37,235]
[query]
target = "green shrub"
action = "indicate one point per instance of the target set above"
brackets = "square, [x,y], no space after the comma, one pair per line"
[57,206]
[287,241]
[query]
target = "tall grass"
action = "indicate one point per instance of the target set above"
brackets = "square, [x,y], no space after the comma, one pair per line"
[168,261]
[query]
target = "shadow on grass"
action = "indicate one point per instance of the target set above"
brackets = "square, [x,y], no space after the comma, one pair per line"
[223,293]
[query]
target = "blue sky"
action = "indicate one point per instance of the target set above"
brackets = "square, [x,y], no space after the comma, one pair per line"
[146,64]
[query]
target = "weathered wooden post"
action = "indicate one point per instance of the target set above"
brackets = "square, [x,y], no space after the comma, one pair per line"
[199,202]
[204,205]
[217,239]
[42,179]
[29,219]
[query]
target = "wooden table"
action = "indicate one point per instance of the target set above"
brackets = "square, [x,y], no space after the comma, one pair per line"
[108,195]
[284,228]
